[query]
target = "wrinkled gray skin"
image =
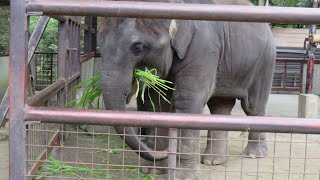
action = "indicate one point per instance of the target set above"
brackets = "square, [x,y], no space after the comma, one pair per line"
[211,63]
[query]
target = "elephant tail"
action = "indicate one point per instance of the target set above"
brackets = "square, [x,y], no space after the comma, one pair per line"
[133,141]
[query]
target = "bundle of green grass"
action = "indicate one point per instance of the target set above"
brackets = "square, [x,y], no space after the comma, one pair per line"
[92,93]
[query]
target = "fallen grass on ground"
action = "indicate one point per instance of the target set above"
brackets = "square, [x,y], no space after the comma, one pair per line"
[53,167]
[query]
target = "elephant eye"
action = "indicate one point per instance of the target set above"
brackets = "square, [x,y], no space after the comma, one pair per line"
[137,48]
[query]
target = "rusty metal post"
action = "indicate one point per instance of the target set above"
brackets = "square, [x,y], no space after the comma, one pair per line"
[62,66]
[94,35]
[17,89]
[172,159]
[301,77]
[311,49]
[62,58]
[88,35]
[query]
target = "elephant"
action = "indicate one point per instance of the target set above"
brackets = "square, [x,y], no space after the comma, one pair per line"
[210,63]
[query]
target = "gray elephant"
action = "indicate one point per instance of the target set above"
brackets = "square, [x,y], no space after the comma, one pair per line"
[209,62]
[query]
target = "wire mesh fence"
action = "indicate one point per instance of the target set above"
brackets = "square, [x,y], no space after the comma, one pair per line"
[45,69]
[98,152]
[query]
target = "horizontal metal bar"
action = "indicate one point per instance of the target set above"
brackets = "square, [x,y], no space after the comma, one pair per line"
[176,11]
[296,60]
[74,77]
[87,57]
[173,120]
[65,18]
[291,89]
[293,51]
[59,18]
[46,93]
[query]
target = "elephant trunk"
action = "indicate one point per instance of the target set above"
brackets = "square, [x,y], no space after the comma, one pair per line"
[115,87]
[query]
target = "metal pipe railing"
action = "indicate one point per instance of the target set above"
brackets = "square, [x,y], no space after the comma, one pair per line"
[176,11]
[173,120]
[46,93]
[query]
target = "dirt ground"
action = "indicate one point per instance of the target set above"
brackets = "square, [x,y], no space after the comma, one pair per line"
[286,161]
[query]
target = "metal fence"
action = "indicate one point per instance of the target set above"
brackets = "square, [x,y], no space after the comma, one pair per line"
[45,69]
[288,75]
[103,155]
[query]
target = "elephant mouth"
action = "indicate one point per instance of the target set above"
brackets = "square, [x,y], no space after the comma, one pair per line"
[133,90]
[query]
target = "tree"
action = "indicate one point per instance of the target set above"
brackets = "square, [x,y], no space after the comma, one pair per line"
[4,30]
[49,40]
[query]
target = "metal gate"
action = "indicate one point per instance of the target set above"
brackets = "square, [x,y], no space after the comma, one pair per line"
[24,112]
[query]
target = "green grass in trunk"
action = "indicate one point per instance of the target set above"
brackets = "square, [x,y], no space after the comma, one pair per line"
[91,96]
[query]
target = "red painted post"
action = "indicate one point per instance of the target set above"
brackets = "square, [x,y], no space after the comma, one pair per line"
[311,49]
[17,89]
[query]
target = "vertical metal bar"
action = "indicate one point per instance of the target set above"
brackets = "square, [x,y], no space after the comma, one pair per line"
[78,45]
[62,62]
[310,70]
[94,35]
[285,75]
[51,69]
[311,49]
[88,36]
[301,77]
[62,58]
[17,89]
[172,160]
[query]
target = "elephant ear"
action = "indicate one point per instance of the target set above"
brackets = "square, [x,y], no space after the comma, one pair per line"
[181,33]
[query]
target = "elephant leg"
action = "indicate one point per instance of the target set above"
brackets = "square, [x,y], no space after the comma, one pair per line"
[257,146]
[188,158]
[255,105]
[217,144]
[153,142]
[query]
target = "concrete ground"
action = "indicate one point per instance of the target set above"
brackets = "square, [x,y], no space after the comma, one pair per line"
[269,168]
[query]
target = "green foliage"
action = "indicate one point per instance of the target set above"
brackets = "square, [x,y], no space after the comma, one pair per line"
[48,43]
[52,166]
[49,40]
[91,96]
[292,3]
[287,3]
[4,30]
[151,80]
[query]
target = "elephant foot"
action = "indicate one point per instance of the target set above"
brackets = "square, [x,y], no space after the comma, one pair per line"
[256,150]
[215,156]
[187,175]
[152,168]
[213,159]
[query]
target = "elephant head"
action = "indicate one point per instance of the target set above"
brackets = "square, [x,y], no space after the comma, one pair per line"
[130,43]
